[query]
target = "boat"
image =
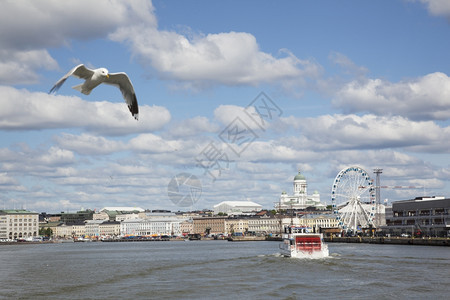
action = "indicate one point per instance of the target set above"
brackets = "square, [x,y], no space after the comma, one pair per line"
[194,236]
[302,242]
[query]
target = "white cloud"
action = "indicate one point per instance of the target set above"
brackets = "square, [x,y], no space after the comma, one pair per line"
[372,132]
[87,144]
[230,58]
[191,127]
[151,143]
[347,64]
[37,162]
[8,183]
[227,114]
[24,110]
[30,24]
[28,27]
[56,156]
[424,98]
[438,7]
[20,66]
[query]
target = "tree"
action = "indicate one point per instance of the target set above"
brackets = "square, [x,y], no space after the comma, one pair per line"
[46,231]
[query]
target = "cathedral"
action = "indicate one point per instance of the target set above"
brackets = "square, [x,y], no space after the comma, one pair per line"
[300,198]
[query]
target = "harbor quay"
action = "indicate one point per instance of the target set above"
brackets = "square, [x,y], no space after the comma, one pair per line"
[426,241]
[429,241]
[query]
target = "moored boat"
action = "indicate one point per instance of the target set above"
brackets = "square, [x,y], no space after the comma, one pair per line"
[301,242]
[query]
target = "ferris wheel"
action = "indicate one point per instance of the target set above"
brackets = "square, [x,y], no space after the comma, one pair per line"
[353,199]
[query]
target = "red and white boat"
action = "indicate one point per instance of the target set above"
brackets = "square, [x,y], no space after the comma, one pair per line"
[301,242]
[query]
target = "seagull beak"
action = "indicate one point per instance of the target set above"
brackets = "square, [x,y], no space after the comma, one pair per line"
[107,75]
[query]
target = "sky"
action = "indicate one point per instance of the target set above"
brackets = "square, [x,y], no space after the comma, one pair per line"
[235,97]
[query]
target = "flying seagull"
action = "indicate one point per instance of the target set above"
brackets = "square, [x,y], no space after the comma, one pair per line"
[95,77]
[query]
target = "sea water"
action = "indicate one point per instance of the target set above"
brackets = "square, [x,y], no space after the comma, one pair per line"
[221,270]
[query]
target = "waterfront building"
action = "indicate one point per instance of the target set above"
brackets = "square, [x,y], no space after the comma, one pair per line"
[79,229]
[427,215]
[318,221]
[63,230]
[150,226]
[299,199]
[109,228]
[209,225]
[130,227]
[187,227]
[264,225]
[237,207]
[159,226]
[18,224]
[92,228]
[236,225]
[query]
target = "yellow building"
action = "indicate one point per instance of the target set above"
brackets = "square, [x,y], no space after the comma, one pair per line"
[239,225]
[319,221]
[63,231]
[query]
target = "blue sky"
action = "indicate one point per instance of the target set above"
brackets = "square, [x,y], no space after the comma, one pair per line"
[361,83]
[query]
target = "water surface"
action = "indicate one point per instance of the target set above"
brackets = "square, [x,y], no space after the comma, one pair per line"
[221,270]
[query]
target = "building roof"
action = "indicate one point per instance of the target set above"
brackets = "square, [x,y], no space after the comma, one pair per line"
[122,208]
[16,212]
[299,176]
[238,203]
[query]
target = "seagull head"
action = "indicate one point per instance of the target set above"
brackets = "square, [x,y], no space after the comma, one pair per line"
[104,72]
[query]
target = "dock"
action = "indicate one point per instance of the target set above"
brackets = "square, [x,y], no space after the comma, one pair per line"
[246,238]
[390,240]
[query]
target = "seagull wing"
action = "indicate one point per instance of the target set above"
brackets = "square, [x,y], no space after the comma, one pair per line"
[122,81]
[79,71]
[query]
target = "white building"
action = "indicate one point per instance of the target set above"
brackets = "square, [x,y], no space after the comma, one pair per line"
[237,207]
[17,224]
[264,225]
[124,217]
[151,226]
[92,228]
[300,198]
[130,227]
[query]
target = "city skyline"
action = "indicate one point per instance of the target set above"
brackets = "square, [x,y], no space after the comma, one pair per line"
[237,97]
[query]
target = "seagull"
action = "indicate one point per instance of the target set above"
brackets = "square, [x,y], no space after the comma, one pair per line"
[93,78]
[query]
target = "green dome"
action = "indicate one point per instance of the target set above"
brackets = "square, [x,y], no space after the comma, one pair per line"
[299,176]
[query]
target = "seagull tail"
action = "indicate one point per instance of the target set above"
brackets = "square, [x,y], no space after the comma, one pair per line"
[78,88]
[81,90]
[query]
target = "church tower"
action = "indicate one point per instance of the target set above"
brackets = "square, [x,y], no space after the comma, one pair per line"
[300,185]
